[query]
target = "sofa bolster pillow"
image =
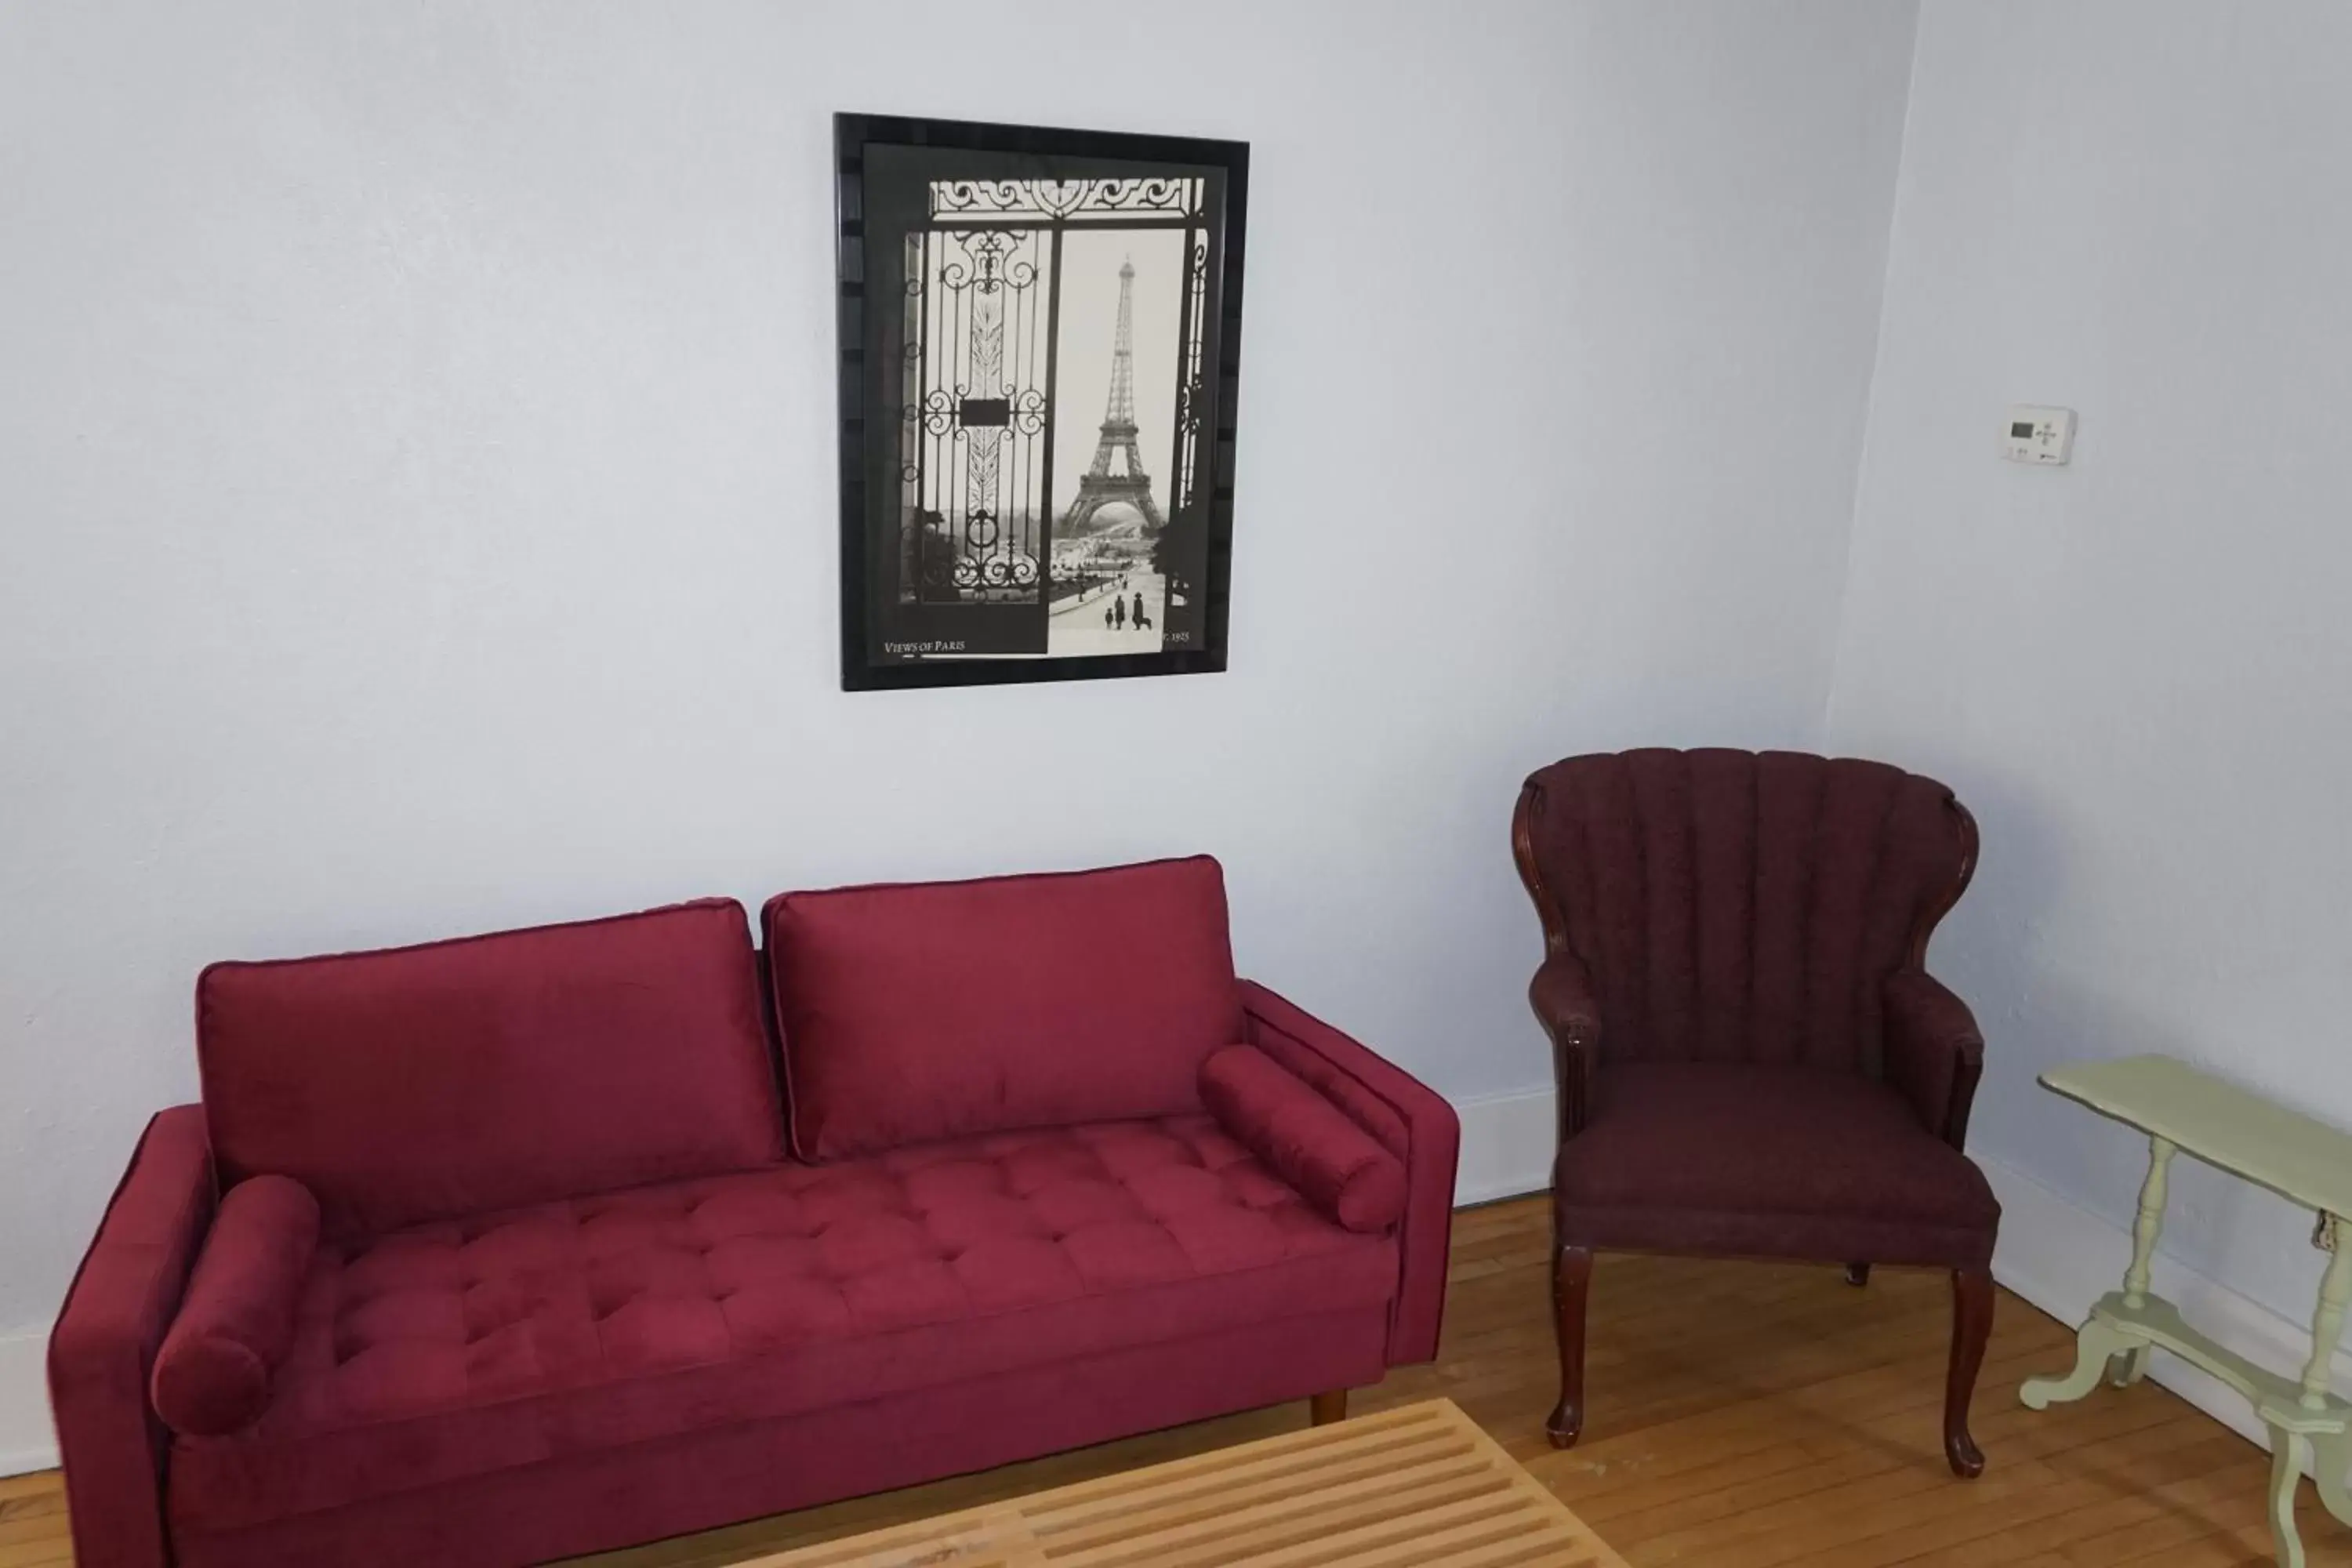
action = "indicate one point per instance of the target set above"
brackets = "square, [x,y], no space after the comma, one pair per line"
[237,1323]
[1304,1139]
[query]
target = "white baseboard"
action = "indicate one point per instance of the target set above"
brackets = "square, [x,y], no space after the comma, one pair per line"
[1507,1142]
[27,1441]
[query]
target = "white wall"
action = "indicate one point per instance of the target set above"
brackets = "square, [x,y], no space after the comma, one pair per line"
[417,461]
[2139,668]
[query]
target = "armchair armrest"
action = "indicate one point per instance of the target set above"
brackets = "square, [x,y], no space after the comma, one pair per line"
[102,1351]
[1408,1119]
[1563,996]
[1935,1053]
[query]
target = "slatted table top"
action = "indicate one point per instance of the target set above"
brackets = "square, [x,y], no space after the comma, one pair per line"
[1419,1487]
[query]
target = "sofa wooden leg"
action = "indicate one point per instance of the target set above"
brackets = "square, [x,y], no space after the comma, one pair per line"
[1571,1283]
[1971,1327]
[1857,1275]
[1326,1408]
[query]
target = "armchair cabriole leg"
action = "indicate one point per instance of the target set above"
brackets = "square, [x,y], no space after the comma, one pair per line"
[1857,1275]
[1571,1284]
[1327,1409]
[1971,1327]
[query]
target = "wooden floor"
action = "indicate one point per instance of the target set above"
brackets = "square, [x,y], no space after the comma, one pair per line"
[1740,1414]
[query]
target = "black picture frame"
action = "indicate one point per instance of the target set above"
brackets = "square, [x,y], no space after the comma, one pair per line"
[948,576]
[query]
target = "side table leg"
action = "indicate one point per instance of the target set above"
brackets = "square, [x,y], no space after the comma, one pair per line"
[2095,1344]
[2330,1452]
[2099,1350]
[2150,1222]
[2331,1458]
[2284,1473]
[2327,1323]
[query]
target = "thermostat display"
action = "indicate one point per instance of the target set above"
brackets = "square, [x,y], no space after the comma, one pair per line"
[2038,435]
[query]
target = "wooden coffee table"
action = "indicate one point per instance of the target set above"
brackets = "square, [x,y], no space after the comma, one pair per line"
[1419,1487]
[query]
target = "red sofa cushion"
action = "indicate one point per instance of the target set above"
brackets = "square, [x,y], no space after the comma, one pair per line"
[934,1010]
[235,1324]
[456,1349]
[1304,1138]
[423,1082]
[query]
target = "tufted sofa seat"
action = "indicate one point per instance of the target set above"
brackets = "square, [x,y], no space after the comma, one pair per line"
[512,1247]
[447,1350]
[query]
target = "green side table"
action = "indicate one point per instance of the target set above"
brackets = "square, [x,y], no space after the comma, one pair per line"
[2302,1161]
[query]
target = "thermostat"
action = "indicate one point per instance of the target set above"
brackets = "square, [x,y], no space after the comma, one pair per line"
[2037,434]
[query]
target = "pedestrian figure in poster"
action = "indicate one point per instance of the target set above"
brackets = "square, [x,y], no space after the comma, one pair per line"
[1118,614]
[1107,625]
[1141,620]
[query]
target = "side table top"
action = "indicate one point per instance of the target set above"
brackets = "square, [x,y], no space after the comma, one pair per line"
[2293,1154]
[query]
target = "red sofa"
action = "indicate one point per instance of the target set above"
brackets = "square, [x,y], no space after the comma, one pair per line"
[508,1247]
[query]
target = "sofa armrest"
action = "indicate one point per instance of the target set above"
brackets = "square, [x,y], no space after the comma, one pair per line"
[1935,1053]
[1415,1124]
[103,1351]
[1563,996]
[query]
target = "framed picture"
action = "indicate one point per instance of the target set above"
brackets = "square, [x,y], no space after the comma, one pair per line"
[1039,332]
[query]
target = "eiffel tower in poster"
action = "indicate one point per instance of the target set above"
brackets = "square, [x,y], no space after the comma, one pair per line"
[1098,487]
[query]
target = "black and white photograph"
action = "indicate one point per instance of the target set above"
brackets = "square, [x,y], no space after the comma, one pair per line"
[1038,333]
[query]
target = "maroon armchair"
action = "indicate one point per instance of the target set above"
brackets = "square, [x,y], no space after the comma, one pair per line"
[1752,1059]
